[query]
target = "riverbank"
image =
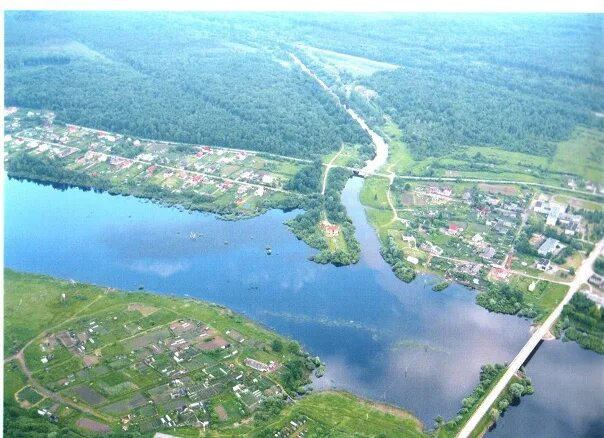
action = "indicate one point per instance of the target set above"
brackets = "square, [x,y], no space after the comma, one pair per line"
[43,346]
[229,182]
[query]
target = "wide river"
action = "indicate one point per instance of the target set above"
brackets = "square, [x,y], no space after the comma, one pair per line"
[381,338]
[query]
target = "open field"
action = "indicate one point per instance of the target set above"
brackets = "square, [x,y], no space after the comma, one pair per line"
[354,65]
[577,160]
[582,154]
[342,414]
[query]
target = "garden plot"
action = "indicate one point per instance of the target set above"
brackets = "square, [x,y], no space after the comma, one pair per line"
[147,339]
[92,425]
[127,405]
[28,397]
[88,395]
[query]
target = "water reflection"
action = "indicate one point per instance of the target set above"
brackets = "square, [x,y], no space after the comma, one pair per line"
[396,342]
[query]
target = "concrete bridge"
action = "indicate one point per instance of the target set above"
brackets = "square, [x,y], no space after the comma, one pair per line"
[581,277]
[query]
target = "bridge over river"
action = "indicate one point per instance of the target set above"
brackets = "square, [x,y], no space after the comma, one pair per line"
[583,273]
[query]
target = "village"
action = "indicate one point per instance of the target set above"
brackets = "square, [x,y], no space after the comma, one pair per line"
[137,366]
[222,179]
[476,234]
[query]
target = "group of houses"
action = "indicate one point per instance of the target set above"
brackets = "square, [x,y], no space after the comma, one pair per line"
[556,215]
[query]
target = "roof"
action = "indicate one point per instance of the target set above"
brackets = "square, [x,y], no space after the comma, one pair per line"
[548,246]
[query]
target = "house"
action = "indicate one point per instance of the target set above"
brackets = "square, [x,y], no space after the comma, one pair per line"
[543,264]
[541,207]
[431,248]
[454,229]
[330,230]
[150,170]
[267,179]
[547,247]
[477,240]
[413,260]
[552,217]
[488,253]
[498,273]
[145,157]
[260,366]
[567,219]
[597,280]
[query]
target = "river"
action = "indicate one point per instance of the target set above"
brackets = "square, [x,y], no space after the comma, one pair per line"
[381,338]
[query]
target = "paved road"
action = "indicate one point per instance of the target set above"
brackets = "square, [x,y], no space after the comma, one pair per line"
[583,273]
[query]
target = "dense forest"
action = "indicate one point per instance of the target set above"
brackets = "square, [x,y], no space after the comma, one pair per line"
[165,77]
[519,82]
[503,298]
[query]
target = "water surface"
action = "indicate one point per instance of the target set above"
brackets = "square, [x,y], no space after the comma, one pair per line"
[381,338]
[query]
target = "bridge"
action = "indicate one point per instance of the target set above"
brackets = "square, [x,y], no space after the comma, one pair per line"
[581,277]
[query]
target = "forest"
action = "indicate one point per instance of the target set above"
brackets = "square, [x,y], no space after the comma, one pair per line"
[168,80]
[517,82]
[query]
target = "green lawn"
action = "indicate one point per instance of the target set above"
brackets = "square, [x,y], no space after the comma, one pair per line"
[546,295]
[374,193]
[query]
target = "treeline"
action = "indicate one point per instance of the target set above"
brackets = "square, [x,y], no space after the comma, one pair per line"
[336,214]
[520,83]
[441,111]
[503,298]
[165,82]
[489,375]
[595,218]
[23,165]
[395,258]
[308,179]
[582,321]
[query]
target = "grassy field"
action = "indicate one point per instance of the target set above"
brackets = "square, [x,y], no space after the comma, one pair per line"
[340,414]
[546,295]
[374,197]
[582,154]
[578,202]
[354,65]
[400,160]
